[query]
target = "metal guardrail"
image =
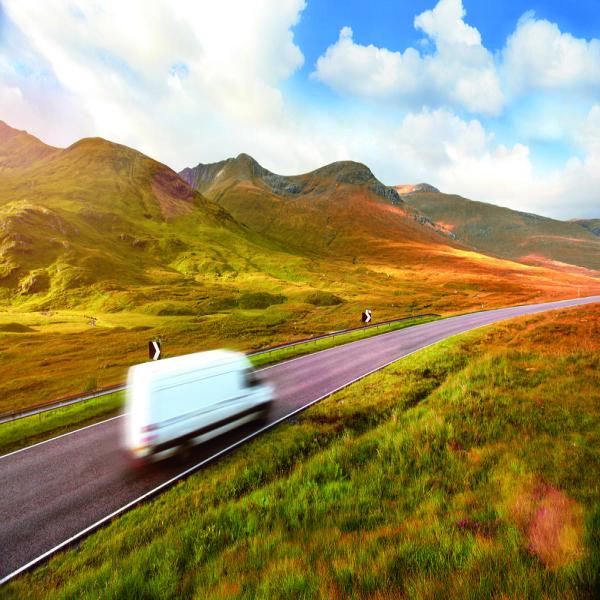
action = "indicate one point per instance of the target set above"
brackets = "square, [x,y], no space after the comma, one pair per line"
[75,398]
[340,332]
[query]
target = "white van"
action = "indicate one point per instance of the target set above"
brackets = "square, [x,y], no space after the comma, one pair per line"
[190,399]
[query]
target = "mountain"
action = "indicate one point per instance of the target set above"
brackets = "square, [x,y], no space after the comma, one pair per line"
[339,210]
[411,188]
[245,168]
[18,149]
[521,236]
[97,218]
[100,226]
[592,225]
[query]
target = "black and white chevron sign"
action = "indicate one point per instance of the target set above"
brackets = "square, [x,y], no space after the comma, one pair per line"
[154,349]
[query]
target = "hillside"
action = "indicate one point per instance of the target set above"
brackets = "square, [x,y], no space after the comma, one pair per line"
[103,248]
[96,219]
[512,234]
[592,225]
[332,210]
[18,149]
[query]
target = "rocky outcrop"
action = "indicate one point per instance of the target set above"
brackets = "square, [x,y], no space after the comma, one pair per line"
[414,188]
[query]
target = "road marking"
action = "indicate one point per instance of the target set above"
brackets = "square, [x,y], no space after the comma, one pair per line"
[62,435]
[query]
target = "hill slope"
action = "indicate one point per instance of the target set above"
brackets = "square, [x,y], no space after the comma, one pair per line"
[592,225]
[511,234]
[103,248]
[18,149]
[339,210]
[99,217]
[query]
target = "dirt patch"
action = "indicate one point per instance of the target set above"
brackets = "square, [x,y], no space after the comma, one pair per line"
[552,523]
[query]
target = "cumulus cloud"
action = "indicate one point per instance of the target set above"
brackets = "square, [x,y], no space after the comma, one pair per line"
[460,156]
[151,74]
[539,56]
[461,72]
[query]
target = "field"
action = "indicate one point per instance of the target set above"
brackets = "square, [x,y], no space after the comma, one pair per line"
[50,353]
[468,470]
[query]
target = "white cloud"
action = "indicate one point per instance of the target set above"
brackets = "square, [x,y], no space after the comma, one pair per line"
[445,24]
[539,56]
[149,74]
[461,72]
[460,157]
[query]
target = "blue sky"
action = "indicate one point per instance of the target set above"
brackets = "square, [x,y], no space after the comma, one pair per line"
[496,101]
[390,24]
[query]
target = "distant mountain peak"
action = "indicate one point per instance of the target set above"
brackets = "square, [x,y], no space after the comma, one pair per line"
[413,188]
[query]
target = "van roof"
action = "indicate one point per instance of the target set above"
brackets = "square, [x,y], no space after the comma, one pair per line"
[197,360]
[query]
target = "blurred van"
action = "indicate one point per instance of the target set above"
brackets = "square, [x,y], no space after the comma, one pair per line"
[190,399]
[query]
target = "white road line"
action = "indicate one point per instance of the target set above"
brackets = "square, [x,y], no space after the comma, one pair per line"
[62,435]
[210,459]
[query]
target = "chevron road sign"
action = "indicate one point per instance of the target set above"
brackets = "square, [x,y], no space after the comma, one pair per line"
[366,316]
[154,349]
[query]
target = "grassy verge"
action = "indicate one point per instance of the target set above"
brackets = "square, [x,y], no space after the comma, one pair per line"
[36,428]
[468,470]
[29,430]
[268,358]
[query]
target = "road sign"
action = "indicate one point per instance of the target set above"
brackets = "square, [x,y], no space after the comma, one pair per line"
[154,349]
[366,316]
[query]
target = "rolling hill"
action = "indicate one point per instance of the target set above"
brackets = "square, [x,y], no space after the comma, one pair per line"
[525,237]
[98,218]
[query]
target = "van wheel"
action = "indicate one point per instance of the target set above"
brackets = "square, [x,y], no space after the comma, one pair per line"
[263,416]
[184,451]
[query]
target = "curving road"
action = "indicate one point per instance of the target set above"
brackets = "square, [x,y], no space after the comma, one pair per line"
[57,491]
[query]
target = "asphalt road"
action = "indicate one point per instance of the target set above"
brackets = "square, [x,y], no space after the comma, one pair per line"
[50,492]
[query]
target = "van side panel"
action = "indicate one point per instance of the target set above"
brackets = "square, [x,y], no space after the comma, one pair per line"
[189,396]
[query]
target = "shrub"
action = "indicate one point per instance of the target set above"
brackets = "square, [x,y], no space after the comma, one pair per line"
[260,300]
[323,299]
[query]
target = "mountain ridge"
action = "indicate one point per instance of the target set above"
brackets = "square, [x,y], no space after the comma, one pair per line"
[517,235]
[244,167]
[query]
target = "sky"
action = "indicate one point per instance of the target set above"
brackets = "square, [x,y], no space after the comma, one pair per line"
[498,102]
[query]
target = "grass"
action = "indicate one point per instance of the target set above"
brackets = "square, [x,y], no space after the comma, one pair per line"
[468,470]
[274,356]
[36,428]
[29,430]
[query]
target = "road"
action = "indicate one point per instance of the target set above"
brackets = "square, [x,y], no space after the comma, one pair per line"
[58,490]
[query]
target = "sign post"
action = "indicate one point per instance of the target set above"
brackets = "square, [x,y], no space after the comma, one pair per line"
[154,349]
[366,316]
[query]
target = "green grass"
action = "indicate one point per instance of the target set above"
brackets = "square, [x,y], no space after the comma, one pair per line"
[467,470]
[29,430]
[36,428]
[274,356]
